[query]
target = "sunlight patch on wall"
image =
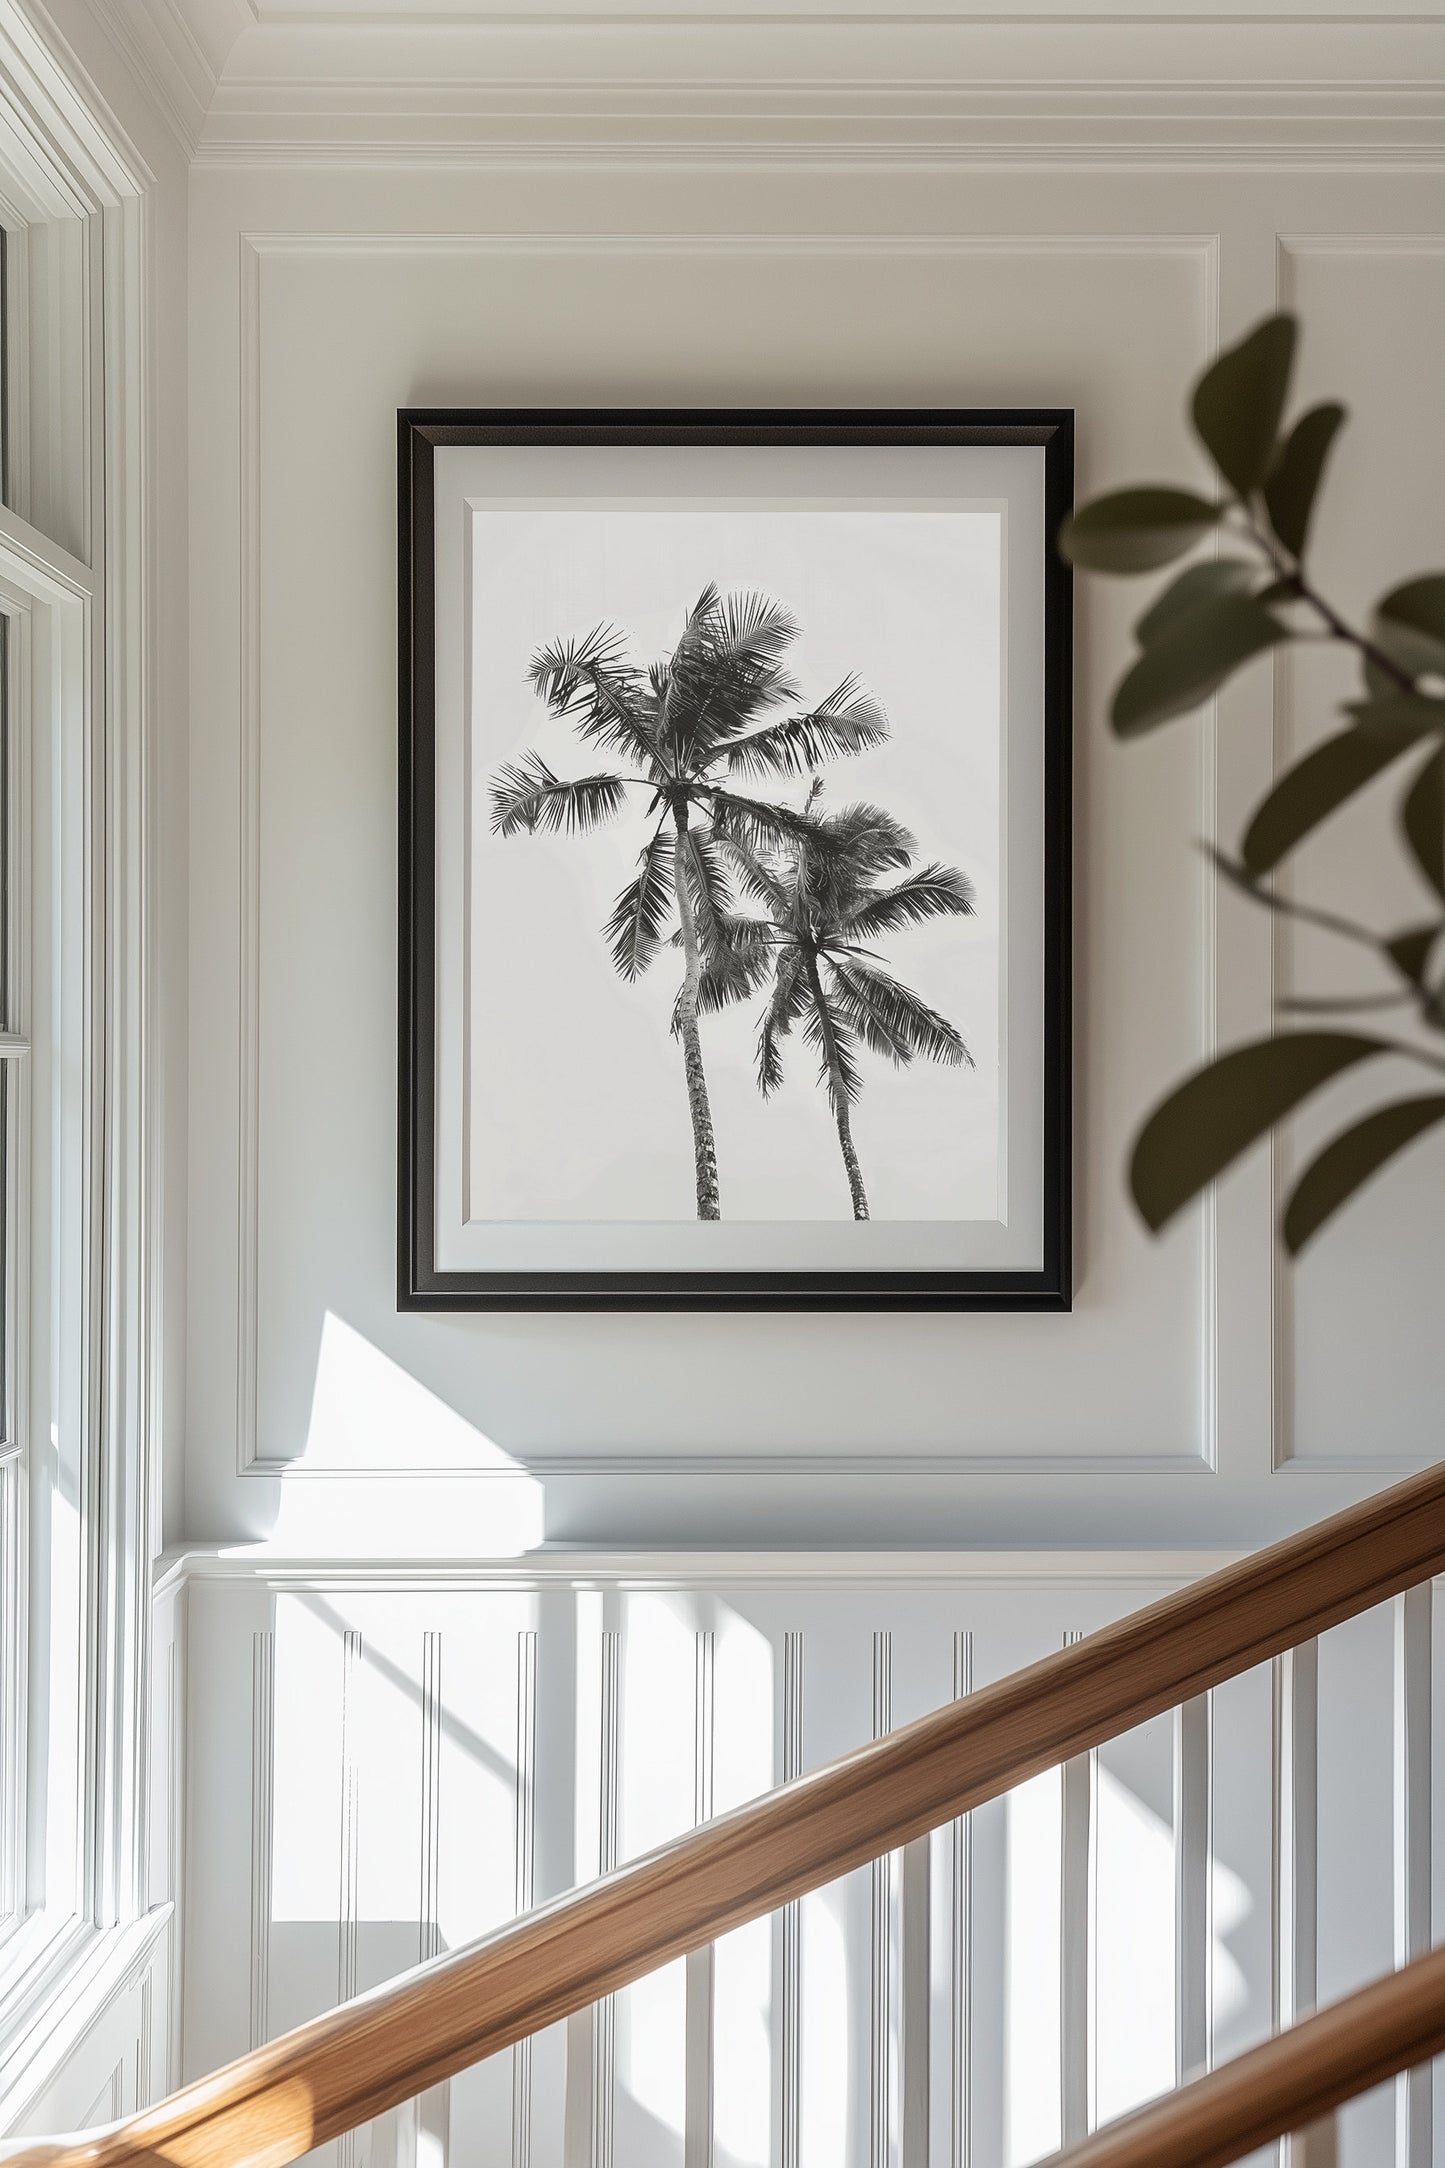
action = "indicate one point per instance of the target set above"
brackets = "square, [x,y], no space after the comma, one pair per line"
[1134,1958]
[1032,2076]
[743,2055]
[659,1667]
[654,2045]
[370,1418]
[658,1785]
[827,2075]
[743,1704]
[306,1763]
[1230,1906]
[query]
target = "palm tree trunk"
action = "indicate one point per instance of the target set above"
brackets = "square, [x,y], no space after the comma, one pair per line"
[840,1096]
[850,1158]
[704,1145]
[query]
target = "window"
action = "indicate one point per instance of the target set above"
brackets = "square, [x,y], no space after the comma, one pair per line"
[14,1152]
[76,1352]
[48,1136]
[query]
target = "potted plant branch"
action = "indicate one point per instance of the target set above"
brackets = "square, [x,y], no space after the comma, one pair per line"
[1255,595]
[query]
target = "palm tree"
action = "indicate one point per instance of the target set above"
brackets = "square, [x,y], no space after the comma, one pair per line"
[681,731]
[825,895]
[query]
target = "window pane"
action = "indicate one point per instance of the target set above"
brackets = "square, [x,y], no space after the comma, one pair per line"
[12,1486]
[5,495]
[8,1154]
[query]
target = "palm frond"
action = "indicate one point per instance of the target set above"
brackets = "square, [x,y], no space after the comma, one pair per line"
[932,892]
[733,968]
[586,682]
[707,883]
[848,721]
[557,672]
[641,911]
[789,998]
[703,610]
[754,822]
[765,882]
[892,1019]
[872,840]
[751,625]
[527,796]
[725,673]
[827,1032]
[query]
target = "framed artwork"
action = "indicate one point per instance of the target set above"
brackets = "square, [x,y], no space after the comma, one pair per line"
[734,854]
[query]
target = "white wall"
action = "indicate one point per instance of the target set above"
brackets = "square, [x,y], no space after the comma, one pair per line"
[1199,1390]
[716,212]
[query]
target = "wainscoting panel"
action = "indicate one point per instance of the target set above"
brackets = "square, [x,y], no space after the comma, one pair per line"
[384,1771]
[1350,1390]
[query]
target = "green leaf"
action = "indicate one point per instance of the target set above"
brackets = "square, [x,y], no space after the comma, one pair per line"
[1422,816]
[1239,403]
[1201,583]
[1415,653]
[1419,605]
[1314,788]
[1224,1108]
[1293,481]
[1191,660]
[1136,530]
[1409,627]
[1409,951]
[1349,1161]
[1405,716]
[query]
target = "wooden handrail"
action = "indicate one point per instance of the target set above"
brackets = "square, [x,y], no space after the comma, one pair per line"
[355,2062]
[1285,2084]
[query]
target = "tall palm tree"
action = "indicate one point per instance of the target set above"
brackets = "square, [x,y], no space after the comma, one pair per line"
[826,895]
[680,732]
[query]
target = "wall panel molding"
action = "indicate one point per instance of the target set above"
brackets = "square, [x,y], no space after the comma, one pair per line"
[1199,252]
[263,1743]
[248,803]
[1295,252]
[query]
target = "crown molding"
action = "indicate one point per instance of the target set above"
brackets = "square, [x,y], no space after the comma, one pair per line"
[243,82]
[157,39]
[437,89]
[177,49]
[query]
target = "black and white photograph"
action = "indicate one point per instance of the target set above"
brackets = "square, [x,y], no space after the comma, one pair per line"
[741,820]
[726,974]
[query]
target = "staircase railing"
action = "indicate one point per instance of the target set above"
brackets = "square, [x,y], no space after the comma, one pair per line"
[1289,2083]
[342,2069]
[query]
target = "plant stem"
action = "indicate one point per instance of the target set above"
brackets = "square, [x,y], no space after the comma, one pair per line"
[1291,571]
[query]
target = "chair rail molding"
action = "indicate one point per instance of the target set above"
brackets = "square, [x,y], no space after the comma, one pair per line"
[266,1565]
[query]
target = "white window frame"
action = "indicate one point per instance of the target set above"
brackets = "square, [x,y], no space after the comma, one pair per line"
[14,1245]
[76,586]
[47,600]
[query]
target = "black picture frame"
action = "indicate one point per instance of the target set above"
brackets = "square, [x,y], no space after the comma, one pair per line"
[421,1285]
